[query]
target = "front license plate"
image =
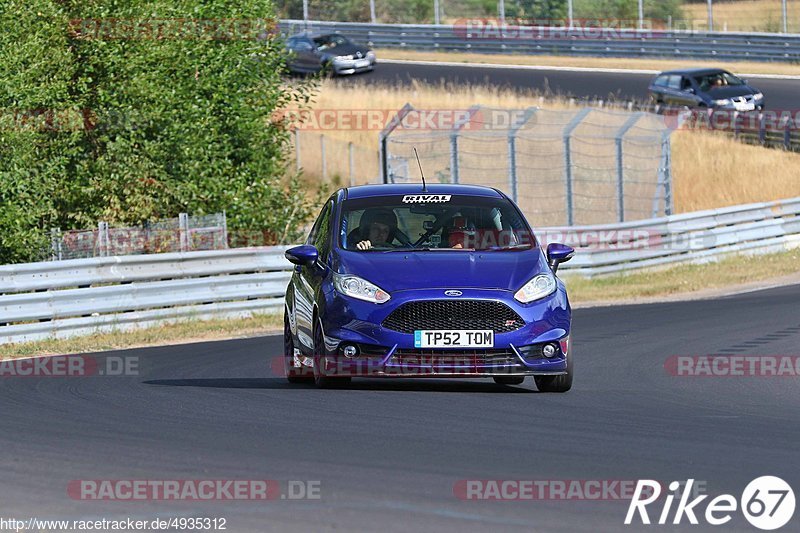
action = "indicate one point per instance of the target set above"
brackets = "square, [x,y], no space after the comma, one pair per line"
[744,107]
[463,338]
[361,63]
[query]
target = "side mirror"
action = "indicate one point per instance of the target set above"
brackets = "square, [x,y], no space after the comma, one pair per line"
[690,90]
[557,254]
[305,255]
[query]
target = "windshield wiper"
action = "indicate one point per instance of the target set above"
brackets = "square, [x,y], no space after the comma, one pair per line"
[512,247]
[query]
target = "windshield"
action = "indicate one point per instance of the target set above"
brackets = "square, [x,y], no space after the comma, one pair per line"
[328,42]
[718,79]
[429,222]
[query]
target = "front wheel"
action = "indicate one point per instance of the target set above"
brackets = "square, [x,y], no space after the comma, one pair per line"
[560,383]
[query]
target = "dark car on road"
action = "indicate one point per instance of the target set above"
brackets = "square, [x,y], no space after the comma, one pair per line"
[311,53]
[704,88]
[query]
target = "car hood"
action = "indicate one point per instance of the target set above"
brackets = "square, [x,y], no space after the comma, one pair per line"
[398,271]
[721,93]
[346,50]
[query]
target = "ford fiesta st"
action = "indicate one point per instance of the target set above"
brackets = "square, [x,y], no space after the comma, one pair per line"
[404,281]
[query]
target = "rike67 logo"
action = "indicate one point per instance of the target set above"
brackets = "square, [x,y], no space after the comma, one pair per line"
[767,503]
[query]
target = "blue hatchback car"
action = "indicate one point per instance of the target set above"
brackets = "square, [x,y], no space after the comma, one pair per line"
[443,281]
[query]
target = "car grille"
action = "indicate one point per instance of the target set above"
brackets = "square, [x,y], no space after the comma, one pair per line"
[472,357]
[453,314]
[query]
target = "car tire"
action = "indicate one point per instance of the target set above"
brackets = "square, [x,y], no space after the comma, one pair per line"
[320,380]
[293,375]
[560,383]
[509,380]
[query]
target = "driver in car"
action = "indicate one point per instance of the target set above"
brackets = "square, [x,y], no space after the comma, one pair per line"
[376,228]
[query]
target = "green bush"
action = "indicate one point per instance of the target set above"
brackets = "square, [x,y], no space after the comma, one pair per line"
[97,123]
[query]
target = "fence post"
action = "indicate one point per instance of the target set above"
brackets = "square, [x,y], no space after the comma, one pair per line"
[102,239]
[454,156]
[787,135]
[383,137]
[183,231]
[351,163]
[224,229]
[297,149]
[454,170]
[512,150]
[55,243]
[621,164]
[568,129]
[762,129]
[664,177]
[324,162]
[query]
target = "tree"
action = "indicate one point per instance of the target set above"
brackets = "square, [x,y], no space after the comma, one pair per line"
[169,105]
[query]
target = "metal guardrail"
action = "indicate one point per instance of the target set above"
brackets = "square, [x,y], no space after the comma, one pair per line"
[689,237]
[84,296]
[564,41]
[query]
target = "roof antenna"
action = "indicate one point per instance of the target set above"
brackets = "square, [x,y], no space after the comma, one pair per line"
[424,187]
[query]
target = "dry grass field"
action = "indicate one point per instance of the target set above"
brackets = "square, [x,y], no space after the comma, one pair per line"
[710,169]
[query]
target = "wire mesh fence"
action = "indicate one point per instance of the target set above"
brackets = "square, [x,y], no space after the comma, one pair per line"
[333,161]
[770,16]
[562,167]
[182,234]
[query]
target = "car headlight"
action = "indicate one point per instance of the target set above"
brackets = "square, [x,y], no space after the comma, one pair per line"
[362,289]
[371,55]
[537,288]
[723,102]
[758,96]
[343,58]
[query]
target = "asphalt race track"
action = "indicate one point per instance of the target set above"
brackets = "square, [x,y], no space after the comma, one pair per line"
[388,453]
[780,94]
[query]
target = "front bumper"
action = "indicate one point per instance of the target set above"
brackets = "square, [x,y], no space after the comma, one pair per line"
[352,66]
[384,352]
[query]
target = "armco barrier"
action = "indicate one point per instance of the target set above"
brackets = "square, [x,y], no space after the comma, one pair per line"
[564,41]
[82,296]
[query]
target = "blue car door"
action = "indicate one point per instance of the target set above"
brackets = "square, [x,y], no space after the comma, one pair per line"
[308,278]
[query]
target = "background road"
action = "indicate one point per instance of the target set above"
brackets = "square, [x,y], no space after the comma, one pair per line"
[388,453]
[779,94]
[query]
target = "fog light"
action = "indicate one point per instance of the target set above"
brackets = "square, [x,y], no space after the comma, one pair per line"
[549,350]
[350,350]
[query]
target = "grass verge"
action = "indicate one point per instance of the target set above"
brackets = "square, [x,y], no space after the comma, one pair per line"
[177,333]
[679,280]
[742,67]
